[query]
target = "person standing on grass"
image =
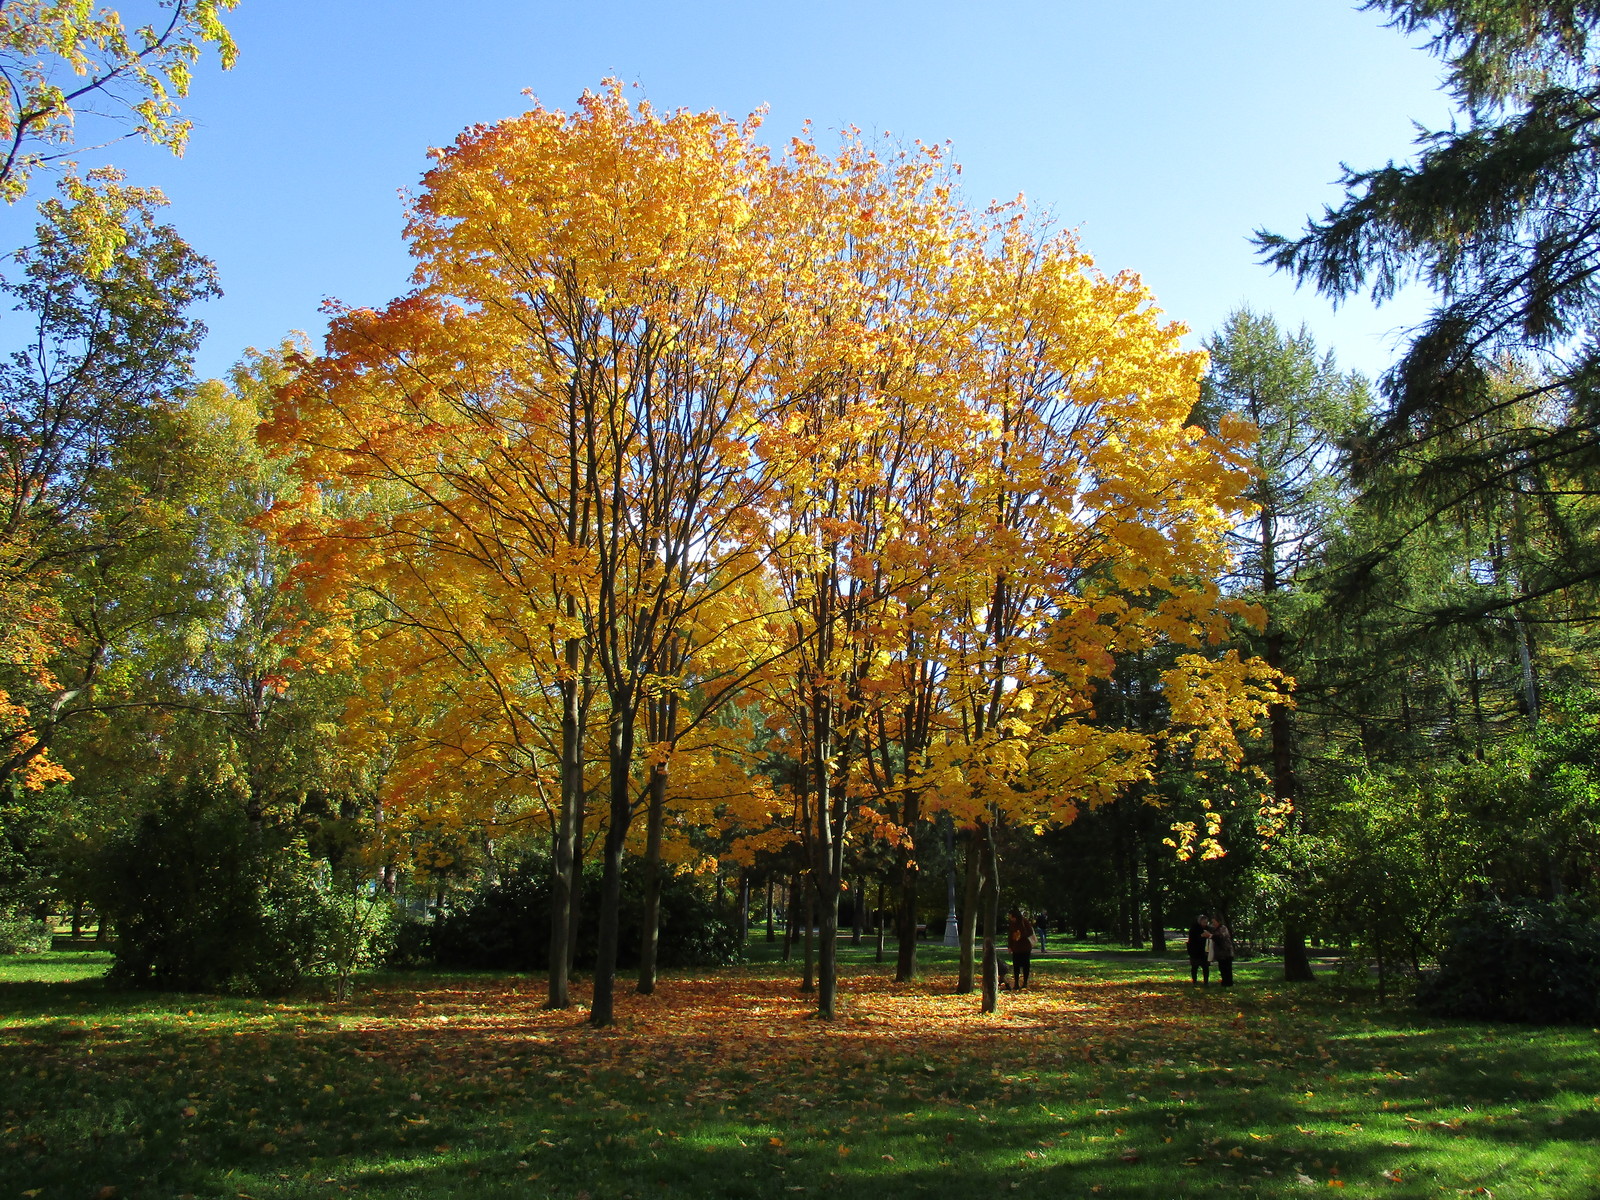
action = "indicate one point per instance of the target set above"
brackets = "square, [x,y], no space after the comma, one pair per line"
[1019,941]
[1222,950]
[1041,923]
[1199,948]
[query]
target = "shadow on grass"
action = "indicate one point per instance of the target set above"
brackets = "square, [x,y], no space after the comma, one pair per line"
[1110,1077]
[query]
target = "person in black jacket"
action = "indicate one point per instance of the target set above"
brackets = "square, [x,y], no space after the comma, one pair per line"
[1222,950]
[1199,959]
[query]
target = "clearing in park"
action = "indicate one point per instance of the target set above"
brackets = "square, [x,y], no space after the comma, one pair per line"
[1112,1077]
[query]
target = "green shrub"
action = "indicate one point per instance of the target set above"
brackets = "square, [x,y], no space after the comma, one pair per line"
[506,926]
[1530,961]
[202,901]
[21,932]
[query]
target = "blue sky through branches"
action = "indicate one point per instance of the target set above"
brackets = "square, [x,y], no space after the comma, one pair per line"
[1165,131]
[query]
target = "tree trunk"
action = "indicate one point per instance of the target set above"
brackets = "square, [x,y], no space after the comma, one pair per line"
[990,903]
[952,921]
[969,917]
[1296,962]
[877,920]
[790,915]
[650,935]
[772,935]
[809,983]
[602,1011]
[565,847]
[828,958]
[662,719]
[905,966]
[1156,900]
[858,901]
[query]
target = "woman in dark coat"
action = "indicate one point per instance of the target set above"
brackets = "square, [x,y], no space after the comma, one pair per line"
[1222,950]
[1199,960]
[1019,940]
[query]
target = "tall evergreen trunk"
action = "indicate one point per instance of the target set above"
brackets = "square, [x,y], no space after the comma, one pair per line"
[905,966]
[602,1011]
[969,917]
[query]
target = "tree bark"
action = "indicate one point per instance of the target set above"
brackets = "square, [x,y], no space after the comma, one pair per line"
[791,914]
[809,983]
[905,967]
[990,903]
[828,956]
[662,718]
[565,849]
[877,921]
[650,935]
[602,1011]
[969,917]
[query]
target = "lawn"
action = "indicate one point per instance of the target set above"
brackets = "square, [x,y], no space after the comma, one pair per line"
[1113,1077]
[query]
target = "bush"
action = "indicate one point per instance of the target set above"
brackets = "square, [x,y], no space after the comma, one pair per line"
[1530,961]
[204,902]
[21,932]
[506,926]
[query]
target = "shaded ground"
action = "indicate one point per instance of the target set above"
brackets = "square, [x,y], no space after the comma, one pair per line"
[1111,1078]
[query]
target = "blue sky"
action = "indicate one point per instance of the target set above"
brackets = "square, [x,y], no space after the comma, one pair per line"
[1164,131]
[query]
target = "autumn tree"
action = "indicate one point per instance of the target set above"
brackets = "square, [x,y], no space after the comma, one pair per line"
[667,418]
[570,504]
[96,463]
[70,69]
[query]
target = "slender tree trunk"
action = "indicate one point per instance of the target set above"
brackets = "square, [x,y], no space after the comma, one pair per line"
[1156,898]
[650,935]
[828,955]
[905,966]
[809,983]
[791,915]
[565,848]
[965,979]
[952,920]
[1135,908]
[663,728]
[990,903]
[877,920]
[602,1011]
[858,901]
[772,935]
[744,910]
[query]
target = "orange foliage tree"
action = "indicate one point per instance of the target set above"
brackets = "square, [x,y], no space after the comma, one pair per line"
[670,420]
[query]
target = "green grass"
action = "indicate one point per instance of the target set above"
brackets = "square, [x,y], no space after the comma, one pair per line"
[60,966]
[1113,1078]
